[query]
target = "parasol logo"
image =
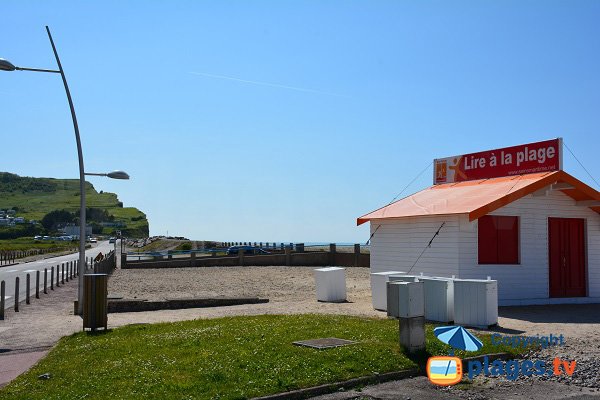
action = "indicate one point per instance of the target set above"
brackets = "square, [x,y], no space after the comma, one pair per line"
[448,370]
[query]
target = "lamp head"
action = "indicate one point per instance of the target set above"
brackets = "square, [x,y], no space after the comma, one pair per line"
[6,65]
[118,175]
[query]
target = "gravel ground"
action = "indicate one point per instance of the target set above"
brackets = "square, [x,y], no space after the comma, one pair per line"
[289,289]
[292,290]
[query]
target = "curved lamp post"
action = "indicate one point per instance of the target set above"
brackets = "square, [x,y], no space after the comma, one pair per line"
[6,65]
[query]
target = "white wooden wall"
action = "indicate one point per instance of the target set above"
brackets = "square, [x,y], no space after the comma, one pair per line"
[530,279]
[397,244]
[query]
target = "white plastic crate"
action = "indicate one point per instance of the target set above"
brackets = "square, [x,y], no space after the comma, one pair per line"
[475,302]
[331,284]
[405,299]
[439,298]
[379,290]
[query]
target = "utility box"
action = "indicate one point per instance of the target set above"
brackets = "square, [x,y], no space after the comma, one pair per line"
[475,302]
[331,284]
[379,288]
[405,299]
[412,333]
[439,298]
[95,301]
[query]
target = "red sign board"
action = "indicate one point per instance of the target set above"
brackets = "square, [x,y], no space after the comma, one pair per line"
[529,158]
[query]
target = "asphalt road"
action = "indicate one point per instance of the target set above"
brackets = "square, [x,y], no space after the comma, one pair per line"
[9,273]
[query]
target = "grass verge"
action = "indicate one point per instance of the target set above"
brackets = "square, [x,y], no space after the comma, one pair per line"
[22,244]
[225,358]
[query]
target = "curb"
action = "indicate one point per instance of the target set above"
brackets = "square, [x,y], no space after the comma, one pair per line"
[365,380]
[334,387]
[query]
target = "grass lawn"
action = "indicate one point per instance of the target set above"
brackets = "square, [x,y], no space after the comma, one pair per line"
[225,358]
[30,244]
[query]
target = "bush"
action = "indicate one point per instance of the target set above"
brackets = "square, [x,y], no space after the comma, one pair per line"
[184,246]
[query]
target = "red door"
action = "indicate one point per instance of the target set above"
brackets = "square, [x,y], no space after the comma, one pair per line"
[566,242]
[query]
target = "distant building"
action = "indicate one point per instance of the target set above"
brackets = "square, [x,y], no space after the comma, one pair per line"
[116,224]
[73,230]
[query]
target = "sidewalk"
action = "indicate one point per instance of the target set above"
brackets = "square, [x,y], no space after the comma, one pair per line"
[26,336]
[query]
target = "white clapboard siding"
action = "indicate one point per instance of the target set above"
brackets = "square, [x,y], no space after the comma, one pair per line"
[397,244]
[530,279]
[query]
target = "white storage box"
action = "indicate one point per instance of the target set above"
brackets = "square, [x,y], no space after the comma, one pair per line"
[378,288]
[439,298]
[404,278]
[475,302]
[331,284]
[405,299]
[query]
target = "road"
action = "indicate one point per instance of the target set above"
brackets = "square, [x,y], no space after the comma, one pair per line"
[9,273]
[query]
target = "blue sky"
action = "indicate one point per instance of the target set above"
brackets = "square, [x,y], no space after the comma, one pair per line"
[264,120]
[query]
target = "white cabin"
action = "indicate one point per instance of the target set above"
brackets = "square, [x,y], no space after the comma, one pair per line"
[538,235]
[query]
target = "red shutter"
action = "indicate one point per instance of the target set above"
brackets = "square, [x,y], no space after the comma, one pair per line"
[508,240]
[487,240]
[498,240]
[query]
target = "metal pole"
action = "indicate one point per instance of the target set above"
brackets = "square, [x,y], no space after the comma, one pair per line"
[2,295]
[27,287]
[17,294]
[81,176]
[37,284]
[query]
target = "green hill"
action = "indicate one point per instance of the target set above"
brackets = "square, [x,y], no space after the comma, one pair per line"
[33,198]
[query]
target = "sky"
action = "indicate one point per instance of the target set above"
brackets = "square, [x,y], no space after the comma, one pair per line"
[287,120]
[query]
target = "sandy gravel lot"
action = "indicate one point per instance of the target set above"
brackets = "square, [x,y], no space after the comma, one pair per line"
[289,289]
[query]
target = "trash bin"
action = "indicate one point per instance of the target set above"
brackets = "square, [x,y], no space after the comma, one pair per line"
[95,301]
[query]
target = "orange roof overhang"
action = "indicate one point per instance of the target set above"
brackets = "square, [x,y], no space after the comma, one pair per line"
[480,197]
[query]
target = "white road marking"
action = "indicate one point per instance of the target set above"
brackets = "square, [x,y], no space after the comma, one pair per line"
[30,270]
[12,270]
[7,297]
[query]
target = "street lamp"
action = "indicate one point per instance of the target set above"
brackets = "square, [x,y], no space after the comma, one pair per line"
[113,174]
[6,65]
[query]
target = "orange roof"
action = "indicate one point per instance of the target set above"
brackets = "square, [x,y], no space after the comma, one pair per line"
[480,197]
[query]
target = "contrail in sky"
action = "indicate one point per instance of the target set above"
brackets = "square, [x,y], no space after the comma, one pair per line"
[275,85]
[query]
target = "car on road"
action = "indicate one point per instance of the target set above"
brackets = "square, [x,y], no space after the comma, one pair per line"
[112,240]
[234,250]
